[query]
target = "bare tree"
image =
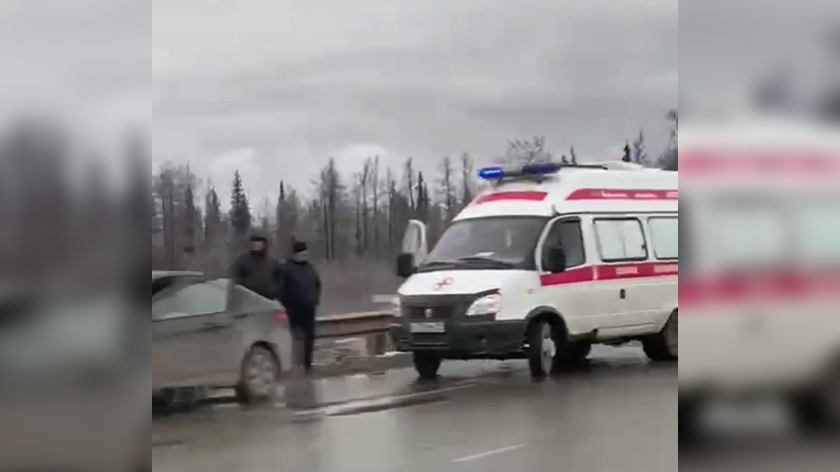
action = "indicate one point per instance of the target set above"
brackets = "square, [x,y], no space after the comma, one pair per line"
[640,150]
[673,116]
[408,181]
[364,182]
[447,188]
[527,151]
[374,184]
[467,180]
[213,219]
[669,158]
[331,194]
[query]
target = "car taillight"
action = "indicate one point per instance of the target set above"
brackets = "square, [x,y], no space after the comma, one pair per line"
[281,316]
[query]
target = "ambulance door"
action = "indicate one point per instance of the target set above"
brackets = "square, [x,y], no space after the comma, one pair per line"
[416,241]
[568,291]
[658,287]
[623,254]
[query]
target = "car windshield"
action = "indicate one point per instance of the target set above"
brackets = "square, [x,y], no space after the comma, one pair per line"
[495,242]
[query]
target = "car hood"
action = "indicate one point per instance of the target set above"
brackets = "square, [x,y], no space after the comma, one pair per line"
[464,282]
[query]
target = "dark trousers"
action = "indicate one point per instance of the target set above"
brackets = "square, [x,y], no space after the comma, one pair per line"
[303,330]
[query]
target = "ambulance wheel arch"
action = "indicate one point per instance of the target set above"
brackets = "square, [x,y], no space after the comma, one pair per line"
[668,312]
[552,316]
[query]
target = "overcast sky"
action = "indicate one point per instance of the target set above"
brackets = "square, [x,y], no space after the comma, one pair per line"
[275,87]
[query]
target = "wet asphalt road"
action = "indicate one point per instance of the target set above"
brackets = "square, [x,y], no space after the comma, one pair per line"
[620,414]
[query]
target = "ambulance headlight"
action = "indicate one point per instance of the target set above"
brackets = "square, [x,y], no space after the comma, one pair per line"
[489,305]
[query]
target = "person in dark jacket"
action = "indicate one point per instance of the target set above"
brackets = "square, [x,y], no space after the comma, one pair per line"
[300,293]
[256,271]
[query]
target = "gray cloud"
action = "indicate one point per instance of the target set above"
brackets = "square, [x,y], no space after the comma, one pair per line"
[279,87]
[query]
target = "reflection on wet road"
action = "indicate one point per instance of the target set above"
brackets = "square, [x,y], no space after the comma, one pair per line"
[620,415]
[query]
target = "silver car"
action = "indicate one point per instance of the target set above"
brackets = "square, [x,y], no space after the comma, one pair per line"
[210,334]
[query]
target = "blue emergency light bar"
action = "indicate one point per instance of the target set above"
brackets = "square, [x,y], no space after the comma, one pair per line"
[502,172]
[525,170]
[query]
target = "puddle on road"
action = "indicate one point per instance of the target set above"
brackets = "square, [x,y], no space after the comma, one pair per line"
[405,403]
[392,402]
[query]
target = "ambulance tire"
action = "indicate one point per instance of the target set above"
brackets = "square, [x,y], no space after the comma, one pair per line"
[664,345]
[426,364]
[542,348]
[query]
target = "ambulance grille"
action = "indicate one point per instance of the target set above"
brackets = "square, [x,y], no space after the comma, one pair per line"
[430,313]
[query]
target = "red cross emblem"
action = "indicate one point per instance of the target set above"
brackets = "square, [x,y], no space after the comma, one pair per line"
[443,283]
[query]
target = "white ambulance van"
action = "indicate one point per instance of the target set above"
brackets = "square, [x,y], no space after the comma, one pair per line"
[546,262]
[760,292]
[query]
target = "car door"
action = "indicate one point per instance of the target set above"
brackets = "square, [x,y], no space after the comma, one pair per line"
[191,333]
[569,291]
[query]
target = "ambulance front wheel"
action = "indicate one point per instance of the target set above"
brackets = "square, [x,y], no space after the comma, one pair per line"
[542,348]
[426,364]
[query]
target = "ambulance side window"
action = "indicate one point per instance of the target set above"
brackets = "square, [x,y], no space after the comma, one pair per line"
[567,234]
[621,239]
[665,237]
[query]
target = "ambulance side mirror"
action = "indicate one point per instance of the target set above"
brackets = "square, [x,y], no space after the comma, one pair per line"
[556,260]
[405,265]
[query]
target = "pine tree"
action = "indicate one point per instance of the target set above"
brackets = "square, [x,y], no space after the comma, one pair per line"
[240,212]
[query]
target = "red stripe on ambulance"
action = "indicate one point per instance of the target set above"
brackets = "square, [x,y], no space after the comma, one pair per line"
[612,272]
[526,196]
[630,194]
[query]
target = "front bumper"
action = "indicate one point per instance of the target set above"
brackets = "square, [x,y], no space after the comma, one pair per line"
[465,339]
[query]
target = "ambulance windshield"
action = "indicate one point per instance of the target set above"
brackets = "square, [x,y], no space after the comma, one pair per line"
[487,243]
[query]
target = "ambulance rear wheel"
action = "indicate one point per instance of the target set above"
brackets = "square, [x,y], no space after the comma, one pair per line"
[542,348]
[427,364]
[664,345]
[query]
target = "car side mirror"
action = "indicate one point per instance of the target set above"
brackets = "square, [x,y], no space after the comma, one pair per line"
[556,260]
[405,265]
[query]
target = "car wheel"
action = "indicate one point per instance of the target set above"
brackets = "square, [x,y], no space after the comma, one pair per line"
[427,364]
[258,377]
[542,349]
[664,345]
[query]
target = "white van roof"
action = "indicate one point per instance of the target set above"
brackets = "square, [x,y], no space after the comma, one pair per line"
[617,187]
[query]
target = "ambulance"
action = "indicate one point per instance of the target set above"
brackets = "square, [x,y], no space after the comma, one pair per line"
[760,292]
[548,260]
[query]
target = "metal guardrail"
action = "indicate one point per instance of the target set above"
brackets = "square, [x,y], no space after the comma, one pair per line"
[354,324]
[373,325]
